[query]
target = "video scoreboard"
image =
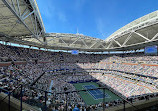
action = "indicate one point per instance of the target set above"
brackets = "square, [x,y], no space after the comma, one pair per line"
[151,50]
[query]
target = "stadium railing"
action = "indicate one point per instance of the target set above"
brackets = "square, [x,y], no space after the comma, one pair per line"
[43,106]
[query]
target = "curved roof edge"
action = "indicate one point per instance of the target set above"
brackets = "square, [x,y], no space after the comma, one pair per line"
[134,35]
[135,23]
[70,35]
[35,6]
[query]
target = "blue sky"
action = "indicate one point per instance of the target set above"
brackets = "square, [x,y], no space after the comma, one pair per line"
[96,18]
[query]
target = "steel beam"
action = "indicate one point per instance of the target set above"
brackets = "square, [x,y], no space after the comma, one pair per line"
[17,1]
[63,41]
[142,36]
[93,44]
[84,43]
[117,42]
[28,15]
[74,42]
[156,35]
[15,13]
[127,39]
[109,45]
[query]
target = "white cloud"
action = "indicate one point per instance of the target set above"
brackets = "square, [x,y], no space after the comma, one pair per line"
[79,4]
[62,17]
[47,10]
[101,27]
[51,11]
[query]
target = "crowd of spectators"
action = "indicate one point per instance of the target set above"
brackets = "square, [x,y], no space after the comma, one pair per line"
[61,68]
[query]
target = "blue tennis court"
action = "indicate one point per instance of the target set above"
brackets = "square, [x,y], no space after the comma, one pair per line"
[97,94]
